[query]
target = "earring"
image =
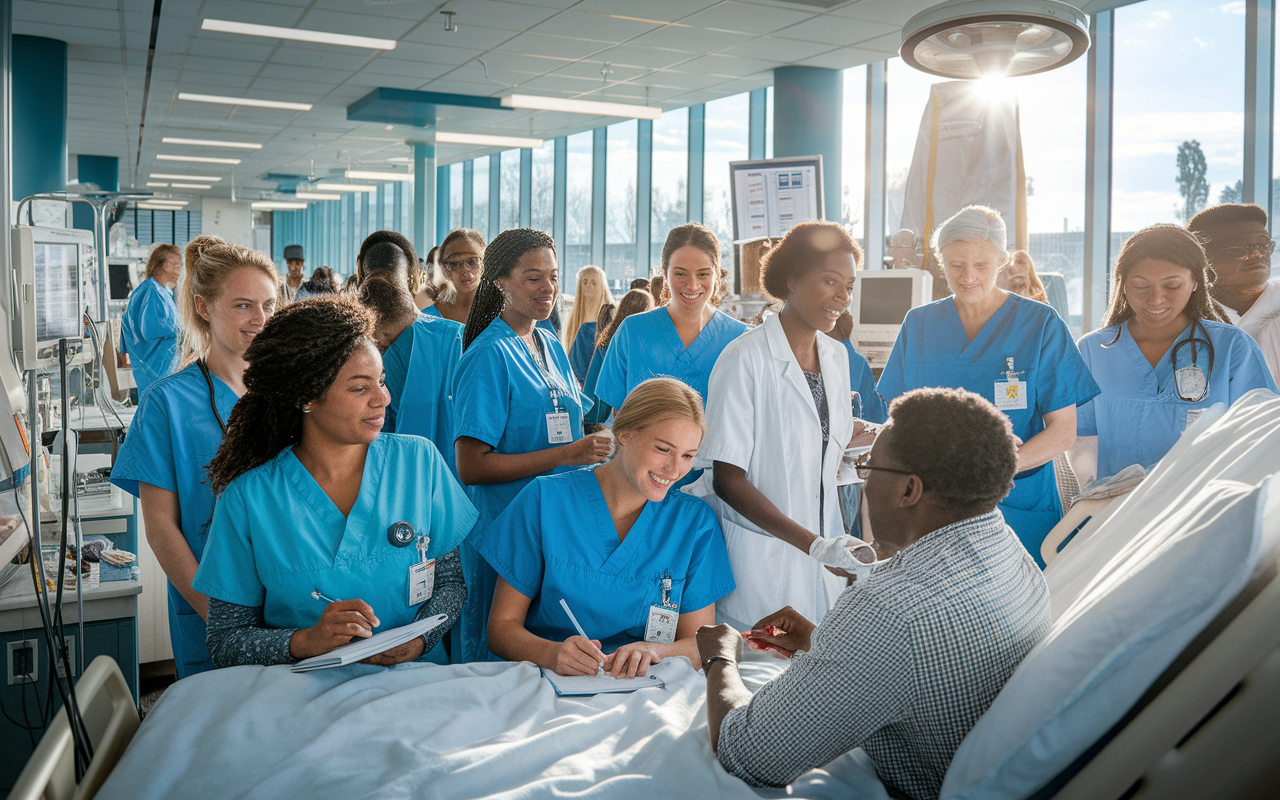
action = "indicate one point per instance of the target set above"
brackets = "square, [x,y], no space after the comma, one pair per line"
[306,409]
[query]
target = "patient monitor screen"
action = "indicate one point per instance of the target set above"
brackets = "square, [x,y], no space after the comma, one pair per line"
[885,301]
[57,283]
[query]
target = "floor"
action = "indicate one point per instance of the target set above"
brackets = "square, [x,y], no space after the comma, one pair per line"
[153,678]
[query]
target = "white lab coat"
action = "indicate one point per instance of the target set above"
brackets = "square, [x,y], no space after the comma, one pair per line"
[1262,322]
[761,417]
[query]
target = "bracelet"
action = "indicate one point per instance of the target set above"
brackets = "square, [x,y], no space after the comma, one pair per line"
[709,660]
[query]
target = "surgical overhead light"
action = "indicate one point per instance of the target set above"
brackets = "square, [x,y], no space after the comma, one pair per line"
[594,107]
[297,34]
[970,39]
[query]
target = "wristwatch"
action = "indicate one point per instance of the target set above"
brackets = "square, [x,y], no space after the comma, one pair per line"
[709,660]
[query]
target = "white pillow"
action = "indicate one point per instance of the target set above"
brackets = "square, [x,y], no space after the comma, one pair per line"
[1131,620]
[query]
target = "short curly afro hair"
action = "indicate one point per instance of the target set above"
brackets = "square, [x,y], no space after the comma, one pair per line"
[960,446]
[805,247]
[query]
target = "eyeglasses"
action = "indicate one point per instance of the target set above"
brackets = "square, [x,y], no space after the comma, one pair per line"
[472,264]
[864,471]
[1243,251]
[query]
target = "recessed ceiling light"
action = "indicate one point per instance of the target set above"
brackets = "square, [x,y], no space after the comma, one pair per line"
[243,101]
[345,187]
[317,196]
[297,34]
[157,201]
[594,107]
[149,205]
[191,186]
[276,205]
[211,143]
[171,176]
[366,175]
[156,185]
[485,140]
[199,159]
[401,160]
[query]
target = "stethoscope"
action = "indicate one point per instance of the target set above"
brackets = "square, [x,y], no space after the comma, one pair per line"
[208,379]
[1190,382]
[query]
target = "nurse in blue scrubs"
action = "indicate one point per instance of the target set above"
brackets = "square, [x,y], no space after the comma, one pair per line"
[517,405]
[635,301]
[228,291]
[1013,351]
[638,564]
[326,529]
[1164,354]
[150,327]
[461,265]
[591,295]
[683,338]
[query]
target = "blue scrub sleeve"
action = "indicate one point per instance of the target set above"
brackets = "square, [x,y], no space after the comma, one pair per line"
[600,410]
[731,411]
[1063,378]
[580,351]
[228,569]
[710,577]
[893,379]
[512,544]
[482,399]
[611,387]
[1086,414]
[863,381]
[1249,368]
[158,318]
[147,453]
[452,512]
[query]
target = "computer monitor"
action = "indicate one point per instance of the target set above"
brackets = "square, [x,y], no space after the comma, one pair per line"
[771,196]
[50,266]
[120,279]
[881,300]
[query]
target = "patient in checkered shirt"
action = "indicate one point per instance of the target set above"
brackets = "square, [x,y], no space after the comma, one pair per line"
[909,658]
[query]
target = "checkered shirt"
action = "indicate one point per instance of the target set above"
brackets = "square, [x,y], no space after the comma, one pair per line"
[903,665]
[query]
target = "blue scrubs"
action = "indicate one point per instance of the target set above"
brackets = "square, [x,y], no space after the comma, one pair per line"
[545,324]
[583,345]
[420,366]
[600,410]
[933,350]
[173,437]
[1139,416]
[557,540]
[863,382]
[149,333]
[501,398]
[277,537]
[432,311]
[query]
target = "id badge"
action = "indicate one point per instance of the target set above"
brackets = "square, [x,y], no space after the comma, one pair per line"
[661,628]
[1011,395]
[422,581]
[558,429]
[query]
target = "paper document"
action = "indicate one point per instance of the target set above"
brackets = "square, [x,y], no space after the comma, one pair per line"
[578,685]
[360,649]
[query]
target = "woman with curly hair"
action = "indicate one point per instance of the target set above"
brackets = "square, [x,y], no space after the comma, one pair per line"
[312,541]
[149,329]
[518,406]
[227,294]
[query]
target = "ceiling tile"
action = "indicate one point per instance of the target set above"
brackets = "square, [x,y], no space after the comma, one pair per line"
[896,12]
[598,27]
[541,44]
[663,10]
[732,66]
[692,40]
[475,37]
[255,11]
[746,18]
[784,51]
[837,30]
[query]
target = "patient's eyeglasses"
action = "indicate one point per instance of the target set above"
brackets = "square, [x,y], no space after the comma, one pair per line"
[1243,251]
[472,264]
[864,471]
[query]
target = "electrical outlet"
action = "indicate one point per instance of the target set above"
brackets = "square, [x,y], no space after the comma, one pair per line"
[71,657]
[23,662]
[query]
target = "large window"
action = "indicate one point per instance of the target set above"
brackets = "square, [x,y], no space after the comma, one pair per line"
[670,197]
[907,96]
[455,196]
[544,180]
[728,139]
[509,200]
[480,198]
[853,156]
[578,204]
[620,204]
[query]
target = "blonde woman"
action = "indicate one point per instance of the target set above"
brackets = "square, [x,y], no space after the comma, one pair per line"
[227,293]
[580,331]
[640,565]
[149,329]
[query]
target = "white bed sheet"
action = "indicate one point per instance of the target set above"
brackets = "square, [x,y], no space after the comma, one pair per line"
[425,731]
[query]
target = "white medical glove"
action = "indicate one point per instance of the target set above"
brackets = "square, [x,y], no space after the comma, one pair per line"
[848,553]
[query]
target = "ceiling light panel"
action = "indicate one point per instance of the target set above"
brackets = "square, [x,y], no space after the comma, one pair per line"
[175,177]
[366,175]
[485,140]
[593,107]
[199,159]
[157,185]
[211,143]
[191,185]
[243,101]
[297,34]
[317,196]
[274,205]
[345,187]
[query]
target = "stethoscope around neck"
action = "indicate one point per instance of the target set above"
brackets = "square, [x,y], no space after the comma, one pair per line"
[208,379]
[1190,382]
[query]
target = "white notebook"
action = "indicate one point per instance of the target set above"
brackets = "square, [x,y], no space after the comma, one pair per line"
[360,649]
[579,685]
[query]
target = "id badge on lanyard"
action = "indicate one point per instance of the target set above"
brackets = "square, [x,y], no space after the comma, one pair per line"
[661,627]
[422,576]
[1011,393]
[559,427]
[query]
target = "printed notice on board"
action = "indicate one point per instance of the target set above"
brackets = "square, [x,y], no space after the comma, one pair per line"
[773,199]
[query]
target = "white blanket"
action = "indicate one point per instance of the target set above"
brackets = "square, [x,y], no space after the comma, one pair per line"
[425,731]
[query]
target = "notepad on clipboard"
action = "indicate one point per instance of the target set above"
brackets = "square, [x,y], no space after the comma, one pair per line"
[360,649]
[584,685]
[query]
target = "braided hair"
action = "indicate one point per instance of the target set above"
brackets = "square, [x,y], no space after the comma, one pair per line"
[500,259]
[399,241]
[293,362]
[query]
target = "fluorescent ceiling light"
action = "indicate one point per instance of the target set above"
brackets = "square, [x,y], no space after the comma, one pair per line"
[365,175]
[297,34]
[243,101]
[594,107]
[317,196]
[157,185]
[153,206]
[157,201]
[173,177]
[276,205]
[345,187]
[199,159]
[401,160]
[191,186]
[443,137]
[211,143]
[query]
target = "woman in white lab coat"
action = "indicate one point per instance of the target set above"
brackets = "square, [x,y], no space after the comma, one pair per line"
[778,421]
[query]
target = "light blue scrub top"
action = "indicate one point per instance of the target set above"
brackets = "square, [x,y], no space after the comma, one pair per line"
[432,311]
[863,382]
[501,398]
[173,437]
[545,324]
[1139,416]
[600,410]
[557,540]
[420,366]
[933,350]
[276,536]
[584,344]
[149,333]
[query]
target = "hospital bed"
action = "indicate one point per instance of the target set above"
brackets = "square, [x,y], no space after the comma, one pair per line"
[1159,679]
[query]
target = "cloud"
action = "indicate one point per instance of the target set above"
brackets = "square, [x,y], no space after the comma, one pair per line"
[1237,7]
[1203,44]
[1157,19]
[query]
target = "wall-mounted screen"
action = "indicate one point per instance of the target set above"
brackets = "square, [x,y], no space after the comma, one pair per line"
[57,279]
[772,196]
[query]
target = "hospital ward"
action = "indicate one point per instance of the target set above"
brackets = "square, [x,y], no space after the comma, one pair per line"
[533,399]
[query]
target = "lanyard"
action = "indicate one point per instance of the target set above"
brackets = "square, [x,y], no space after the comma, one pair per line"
[208,379]
[553,384]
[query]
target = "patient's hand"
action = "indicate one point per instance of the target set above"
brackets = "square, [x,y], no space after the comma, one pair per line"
[409,651]
[632,660]
[787,630]
[578,656]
